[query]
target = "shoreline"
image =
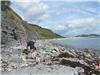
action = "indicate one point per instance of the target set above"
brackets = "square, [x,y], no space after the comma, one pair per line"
[82,39]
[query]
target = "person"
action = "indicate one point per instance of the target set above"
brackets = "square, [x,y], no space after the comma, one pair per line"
[98,65]
[30,46]
[14,34]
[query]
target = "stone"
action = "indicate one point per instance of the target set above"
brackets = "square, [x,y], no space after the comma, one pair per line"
[26,51]
[33,54]
[65,55]
[38,59]
[79,69]
[4,65]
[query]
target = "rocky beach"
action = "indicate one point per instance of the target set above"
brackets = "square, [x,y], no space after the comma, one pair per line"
[44,56]
[49,58]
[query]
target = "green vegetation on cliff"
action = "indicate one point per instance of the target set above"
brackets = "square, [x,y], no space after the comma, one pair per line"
[44,33]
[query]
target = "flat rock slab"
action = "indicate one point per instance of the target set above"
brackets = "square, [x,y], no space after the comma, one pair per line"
[41,69]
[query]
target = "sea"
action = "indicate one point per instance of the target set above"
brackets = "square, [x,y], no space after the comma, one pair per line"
[81,42]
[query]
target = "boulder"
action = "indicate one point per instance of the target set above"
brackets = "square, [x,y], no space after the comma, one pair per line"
[87,69]
[65,55]
[4,66]
[26,51]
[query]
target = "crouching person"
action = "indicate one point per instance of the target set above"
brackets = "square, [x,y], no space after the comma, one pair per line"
[30,52]
[30,46]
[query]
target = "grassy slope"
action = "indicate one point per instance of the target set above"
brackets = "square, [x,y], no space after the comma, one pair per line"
[42,32]
[16,19]
[45,33]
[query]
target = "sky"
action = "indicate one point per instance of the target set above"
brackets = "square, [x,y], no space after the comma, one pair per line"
[65,17]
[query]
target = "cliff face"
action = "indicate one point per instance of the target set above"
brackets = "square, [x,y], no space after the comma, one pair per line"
[15,30]
[12,29]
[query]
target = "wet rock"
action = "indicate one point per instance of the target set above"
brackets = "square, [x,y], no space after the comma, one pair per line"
[69,63]
[65,55]
[87,69]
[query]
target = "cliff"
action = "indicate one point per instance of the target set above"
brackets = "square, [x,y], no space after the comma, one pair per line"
[16,30]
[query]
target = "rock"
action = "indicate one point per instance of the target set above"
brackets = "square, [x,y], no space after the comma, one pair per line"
[26,51]
[23,65]
[4,66]
[87,69]
[55,50]
[33,54]
[61,49]
[23,57]
[65,55]
[49,62]
[49,55]
[87,55]
[69,63]
[16,59]
[80,70]
[12,66]
[38,59]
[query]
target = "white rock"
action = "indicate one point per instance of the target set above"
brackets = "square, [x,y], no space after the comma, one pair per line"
[33,54]
[79,69]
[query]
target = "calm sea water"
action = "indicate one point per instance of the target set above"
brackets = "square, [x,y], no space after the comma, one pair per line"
[80,42]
